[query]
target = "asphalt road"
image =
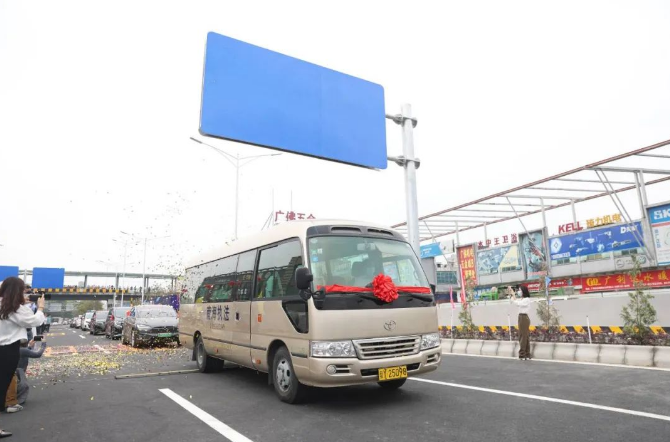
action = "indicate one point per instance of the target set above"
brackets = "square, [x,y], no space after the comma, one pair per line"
[515,401]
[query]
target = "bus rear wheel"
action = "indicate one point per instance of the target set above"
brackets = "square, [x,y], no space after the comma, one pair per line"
[286,383]
[206,364]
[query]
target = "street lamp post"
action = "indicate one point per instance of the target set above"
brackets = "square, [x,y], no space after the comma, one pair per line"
[123,276]
[235,161]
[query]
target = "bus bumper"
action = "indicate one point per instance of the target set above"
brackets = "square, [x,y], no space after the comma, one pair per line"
[337,372]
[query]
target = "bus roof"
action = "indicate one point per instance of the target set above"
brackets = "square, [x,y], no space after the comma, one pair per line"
[277,233]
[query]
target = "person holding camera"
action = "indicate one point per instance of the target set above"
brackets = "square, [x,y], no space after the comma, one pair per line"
[524,320]
[15,317]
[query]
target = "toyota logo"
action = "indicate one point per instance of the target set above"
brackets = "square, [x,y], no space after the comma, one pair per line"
[390,325]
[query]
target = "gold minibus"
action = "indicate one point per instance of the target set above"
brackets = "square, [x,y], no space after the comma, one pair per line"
[313,303]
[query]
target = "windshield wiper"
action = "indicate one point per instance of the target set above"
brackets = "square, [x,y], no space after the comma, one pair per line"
[424,298]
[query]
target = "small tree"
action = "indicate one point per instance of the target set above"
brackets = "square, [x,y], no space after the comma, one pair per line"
[639,314]
[465,315]
[85,306]
[548,315]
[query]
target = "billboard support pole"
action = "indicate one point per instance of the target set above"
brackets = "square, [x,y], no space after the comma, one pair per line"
[642,197]
[410,164]
[620,206]
[643,188]
[458,239]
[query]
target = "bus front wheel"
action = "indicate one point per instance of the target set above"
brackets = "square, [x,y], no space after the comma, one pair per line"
[286,383]
[206,364]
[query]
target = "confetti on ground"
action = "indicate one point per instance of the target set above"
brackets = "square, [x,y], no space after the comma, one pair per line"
[65,362]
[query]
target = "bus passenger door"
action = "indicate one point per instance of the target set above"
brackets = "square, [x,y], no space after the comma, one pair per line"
[241,314]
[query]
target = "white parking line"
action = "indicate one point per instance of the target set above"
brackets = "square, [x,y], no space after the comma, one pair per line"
[548,399]
[597,364]
[217,425]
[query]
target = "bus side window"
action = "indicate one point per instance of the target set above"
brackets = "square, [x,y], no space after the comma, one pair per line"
[245,274]
[276,270]
[224,281]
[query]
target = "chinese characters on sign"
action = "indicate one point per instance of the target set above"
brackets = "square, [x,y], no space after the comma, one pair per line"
[653,278]
[590,223]
[499,241]
[555,284]
[466,260]
[290,215]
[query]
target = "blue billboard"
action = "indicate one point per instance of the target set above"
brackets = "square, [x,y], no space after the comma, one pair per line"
[261,97]
[48,278]
[592,241]
[7,271]
[659,220]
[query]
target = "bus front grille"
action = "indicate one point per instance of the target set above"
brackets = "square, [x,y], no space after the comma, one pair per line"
[378,348]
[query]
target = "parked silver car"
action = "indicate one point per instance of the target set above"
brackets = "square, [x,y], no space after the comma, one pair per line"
[150,324]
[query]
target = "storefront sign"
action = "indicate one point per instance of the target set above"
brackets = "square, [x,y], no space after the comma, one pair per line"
[501,259]
[555,284]
[590,242]
[466,260]
[659,219]
[534,254]
[590,223]
[437,249]
[290,215]
[653,278]
[499,241]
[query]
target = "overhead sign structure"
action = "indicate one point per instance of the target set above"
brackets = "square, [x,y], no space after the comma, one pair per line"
[659,219]
[590,242]
[8,271]
[48,278]
[261,97]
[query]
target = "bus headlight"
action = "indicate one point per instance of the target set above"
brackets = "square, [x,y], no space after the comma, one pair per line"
[333,349]
[430,341]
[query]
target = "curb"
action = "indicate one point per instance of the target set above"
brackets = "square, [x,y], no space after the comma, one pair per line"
[631,355]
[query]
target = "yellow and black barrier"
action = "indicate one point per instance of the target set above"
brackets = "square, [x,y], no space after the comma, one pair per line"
[564,329]
[79,290]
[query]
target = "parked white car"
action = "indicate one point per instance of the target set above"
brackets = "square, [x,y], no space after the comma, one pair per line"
[86,321]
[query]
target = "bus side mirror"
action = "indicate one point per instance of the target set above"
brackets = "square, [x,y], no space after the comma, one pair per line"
[303,278]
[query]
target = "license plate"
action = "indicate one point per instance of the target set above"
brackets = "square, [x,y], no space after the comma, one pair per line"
[164,335]
[388,374]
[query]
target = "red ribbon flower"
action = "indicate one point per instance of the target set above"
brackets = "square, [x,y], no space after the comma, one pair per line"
[384,288]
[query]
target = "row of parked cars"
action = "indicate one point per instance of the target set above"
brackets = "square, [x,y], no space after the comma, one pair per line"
[139,325]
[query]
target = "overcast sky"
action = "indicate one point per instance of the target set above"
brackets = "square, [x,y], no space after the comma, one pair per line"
[98,101]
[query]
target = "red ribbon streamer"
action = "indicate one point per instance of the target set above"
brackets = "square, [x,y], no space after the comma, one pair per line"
[335,288]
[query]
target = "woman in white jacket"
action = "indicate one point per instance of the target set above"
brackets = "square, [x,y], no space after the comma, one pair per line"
[15,317]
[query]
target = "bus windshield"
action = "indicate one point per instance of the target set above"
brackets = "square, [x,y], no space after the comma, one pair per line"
[355,261]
